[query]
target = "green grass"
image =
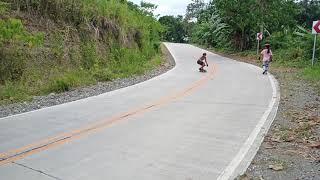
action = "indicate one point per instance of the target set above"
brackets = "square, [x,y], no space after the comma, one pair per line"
[69,80]
[131,64]
[312,73]
[11,92]
[66,53]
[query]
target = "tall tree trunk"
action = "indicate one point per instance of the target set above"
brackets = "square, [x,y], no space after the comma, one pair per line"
[242,43]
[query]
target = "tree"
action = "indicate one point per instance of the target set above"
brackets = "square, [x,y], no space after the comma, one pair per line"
[194,9]
[175,31]
[244,18]
[133,6]
[213,32]
[309,11]
[235,14]
[148,8]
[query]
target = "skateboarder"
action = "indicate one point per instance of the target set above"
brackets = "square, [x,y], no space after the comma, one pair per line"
[202,61]
[266,58]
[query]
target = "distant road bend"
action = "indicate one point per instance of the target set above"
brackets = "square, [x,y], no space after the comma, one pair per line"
[182,125]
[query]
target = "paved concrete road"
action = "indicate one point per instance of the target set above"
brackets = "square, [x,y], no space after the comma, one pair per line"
[183,125]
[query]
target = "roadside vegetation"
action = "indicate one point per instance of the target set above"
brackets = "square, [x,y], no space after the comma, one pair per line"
[227,26]
[57,45]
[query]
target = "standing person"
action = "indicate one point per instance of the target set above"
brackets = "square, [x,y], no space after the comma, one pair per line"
[202,61]
[266,58]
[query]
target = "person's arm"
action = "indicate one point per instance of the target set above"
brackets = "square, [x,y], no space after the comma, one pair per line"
[206,61]
[271,56]
[261,55]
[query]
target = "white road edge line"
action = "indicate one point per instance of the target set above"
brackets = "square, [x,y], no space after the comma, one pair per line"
[103,94]
[247,152]
[243,159]
[249,149]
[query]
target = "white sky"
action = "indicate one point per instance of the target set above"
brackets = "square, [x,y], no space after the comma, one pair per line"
[169,7]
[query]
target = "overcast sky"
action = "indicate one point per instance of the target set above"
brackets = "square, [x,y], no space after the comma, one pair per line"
[168,7]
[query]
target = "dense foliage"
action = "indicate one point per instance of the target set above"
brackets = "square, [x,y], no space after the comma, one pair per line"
[55,45]
[309,10]
[245,18]
[175,29]
[233,24]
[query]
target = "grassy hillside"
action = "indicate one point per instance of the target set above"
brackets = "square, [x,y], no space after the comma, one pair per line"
[53,46]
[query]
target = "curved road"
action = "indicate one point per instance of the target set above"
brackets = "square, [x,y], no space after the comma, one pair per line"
[182,125]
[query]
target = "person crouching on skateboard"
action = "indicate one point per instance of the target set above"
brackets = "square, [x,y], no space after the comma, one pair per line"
[202,61]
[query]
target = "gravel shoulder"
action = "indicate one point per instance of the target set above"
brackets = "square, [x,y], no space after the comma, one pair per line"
[53,99]
[291,149]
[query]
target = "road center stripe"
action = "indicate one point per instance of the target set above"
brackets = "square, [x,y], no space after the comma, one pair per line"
[20,153]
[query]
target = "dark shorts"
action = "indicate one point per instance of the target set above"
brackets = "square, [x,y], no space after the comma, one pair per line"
[201,63]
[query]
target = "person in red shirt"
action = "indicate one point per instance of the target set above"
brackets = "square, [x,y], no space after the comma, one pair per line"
[266,58]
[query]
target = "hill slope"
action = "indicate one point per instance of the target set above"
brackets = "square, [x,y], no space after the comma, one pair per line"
[52,46]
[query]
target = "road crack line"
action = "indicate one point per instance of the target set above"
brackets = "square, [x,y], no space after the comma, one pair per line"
[36,170]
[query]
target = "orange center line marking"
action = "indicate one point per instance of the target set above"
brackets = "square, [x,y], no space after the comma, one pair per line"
[63,138]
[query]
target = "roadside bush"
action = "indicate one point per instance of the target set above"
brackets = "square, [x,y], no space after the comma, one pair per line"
[103,75]
[293,48]
[60,85]
[15,43]
[89,54]
[11,92]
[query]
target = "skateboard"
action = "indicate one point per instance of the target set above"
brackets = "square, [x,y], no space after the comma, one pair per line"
[203,70]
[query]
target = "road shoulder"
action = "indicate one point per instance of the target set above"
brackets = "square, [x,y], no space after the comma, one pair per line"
[291,148]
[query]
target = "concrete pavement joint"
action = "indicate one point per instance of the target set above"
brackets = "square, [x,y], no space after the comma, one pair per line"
[36,170]
[33,149]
